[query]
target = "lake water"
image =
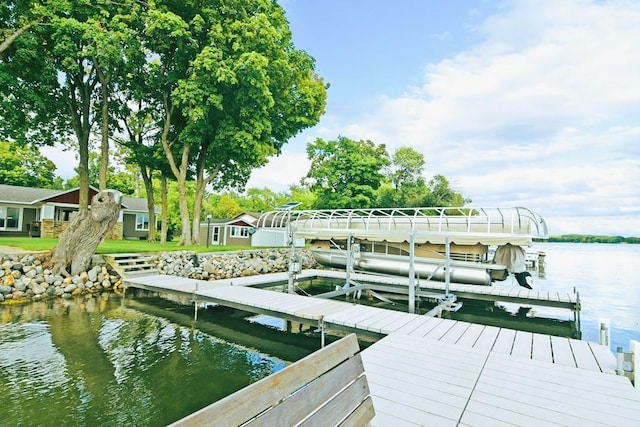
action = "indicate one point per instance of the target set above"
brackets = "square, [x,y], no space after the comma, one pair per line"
[607,277]
[145,361]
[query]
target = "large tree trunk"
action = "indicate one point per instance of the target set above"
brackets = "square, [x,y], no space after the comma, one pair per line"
[165,209]
[180,172]
[147,177]
[78,242]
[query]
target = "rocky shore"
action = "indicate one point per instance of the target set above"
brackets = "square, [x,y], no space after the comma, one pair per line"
[227,265]
[26,276]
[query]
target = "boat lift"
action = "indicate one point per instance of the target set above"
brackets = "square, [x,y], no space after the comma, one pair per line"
[435,225]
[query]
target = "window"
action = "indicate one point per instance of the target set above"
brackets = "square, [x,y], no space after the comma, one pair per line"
[9,217]
[142,222]
[65,214]
[239,231]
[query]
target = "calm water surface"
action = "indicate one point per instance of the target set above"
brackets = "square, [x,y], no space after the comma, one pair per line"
[607,277]
[142,362]
[145,361]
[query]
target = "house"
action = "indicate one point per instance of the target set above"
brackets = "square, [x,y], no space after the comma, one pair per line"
[43,212]
[236,231]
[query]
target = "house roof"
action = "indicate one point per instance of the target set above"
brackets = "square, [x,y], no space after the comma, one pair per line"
[24,195]
[32,196]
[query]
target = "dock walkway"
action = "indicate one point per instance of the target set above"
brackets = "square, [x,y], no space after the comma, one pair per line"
[432,371]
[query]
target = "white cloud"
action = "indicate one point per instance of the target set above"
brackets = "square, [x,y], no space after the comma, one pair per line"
[543,111]
[281,172]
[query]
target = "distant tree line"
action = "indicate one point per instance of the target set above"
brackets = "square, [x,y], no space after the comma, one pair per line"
[589,238]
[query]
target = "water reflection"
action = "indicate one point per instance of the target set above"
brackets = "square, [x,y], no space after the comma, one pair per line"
[97,361]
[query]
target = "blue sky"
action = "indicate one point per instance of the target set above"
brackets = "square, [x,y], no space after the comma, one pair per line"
[531,103]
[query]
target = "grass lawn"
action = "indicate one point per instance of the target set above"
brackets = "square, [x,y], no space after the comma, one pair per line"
[115,246]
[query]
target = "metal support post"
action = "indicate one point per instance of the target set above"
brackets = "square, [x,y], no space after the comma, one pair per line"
[447,264]
[412,273]
[349,263]
[295,265]
[321,328]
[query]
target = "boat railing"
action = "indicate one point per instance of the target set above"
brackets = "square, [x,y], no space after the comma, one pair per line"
[514,221]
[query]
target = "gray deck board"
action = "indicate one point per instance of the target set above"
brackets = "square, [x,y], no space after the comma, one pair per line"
[502,389]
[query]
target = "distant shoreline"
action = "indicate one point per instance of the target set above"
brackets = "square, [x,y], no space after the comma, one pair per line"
[587,238]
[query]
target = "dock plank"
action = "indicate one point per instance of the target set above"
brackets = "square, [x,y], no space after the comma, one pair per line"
[344,316]
[470,335]
[393,317]
[441,329]
[399,323]
[504,341]
[522,344]
[541,348]
[455,332]
[561,350]
[604,357]
[583,355]
[487,338]
[423,326]
[412,325]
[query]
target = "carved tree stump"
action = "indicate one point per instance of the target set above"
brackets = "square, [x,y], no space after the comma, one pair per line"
[78,242]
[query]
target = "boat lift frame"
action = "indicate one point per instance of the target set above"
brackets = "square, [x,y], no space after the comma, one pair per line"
[443,225]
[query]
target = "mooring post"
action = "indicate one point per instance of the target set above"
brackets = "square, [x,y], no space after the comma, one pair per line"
[605,332]
[619,361]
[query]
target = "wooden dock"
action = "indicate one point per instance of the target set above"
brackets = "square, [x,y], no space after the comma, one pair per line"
[420,381]
[432,371]
[516,294]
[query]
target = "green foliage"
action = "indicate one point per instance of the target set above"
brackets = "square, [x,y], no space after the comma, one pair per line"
[25,166]
[345,173]
[359,174]
[226,207]
[122,181]
[442,194]
[589,238]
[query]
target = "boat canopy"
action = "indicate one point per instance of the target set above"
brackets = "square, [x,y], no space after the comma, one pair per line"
[436,225]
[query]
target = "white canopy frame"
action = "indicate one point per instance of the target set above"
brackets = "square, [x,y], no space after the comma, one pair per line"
[436,225]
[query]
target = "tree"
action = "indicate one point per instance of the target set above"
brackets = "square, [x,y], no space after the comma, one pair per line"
[247,91]
[441,194]
[26,167]
[345,173]
[52,73]
[406,186]
[407,167]
[16,19]
[226,207]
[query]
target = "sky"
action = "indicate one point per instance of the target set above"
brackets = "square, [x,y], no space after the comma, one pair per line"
[532,103]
